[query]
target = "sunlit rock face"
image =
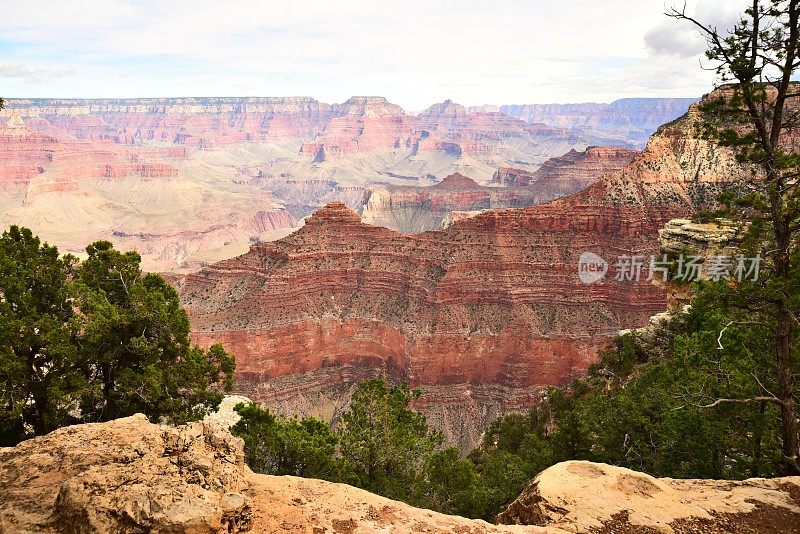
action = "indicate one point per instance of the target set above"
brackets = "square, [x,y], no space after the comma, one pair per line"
[580,496]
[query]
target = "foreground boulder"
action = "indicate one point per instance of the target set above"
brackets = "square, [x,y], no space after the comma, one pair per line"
[588,497]
[124,476]
[131,476]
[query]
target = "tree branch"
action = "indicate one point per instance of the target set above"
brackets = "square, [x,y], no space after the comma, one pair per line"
[773,400]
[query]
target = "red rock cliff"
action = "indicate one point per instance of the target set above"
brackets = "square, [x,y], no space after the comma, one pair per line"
[480,315]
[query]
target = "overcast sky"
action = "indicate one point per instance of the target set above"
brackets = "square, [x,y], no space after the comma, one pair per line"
[414,52]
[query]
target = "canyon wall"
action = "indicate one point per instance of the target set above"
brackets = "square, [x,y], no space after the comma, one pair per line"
[73,191]
[629,119]
[412,209]
[481,316]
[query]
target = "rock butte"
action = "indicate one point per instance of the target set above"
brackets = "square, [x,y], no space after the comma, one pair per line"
[131,476]
[481,316]
[413,209]
[569,173]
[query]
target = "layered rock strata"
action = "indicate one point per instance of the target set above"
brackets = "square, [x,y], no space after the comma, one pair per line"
[480,316]
[569,173]
[416,209]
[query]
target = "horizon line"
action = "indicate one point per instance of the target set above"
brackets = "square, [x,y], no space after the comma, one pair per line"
[315,99]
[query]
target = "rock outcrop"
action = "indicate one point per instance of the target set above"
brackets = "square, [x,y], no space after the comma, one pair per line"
[682,236]
[130,476]
[126,476]
[587,497]
[413,209]
[567,174]
[509,176]
[701,240]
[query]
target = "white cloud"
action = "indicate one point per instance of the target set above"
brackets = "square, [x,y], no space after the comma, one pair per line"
[674,38]
[684,39]
[34,75]
[414,52]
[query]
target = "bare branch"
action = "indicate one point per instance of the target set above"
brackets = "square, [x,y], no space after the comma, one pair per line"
[719,337]
[752,400]
[771,394]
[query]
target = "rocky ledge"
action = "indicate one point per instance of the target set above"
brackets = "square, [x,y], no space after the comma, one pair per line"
[131,476]
[684,236]
[125,476]
[588,497]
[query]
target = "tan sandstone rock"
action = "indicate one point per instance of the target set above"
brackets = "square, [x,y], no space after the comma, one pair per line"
[588,497]
[125,476]
[131,476]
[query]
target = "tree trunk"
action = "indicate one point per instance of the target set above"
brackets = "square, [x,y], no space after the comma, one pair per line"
[39,422]
[786,385]
[110,408]
[758,436]
[784,340]
[39,395]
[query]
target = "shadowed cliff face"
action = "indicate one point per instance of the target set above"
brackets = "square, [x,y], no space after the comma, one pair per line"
[481,315]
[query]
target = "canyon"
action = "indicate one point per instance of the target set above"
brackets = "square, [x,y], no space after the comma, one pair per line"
[190,181]
[481,316]
[412,209]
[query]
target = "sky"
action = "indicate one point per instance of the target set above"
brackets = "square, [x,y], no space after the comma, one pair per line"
[413,52]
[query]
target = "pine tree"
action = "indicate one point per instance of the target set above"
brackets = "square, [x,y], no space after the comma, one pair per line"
[756,114]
